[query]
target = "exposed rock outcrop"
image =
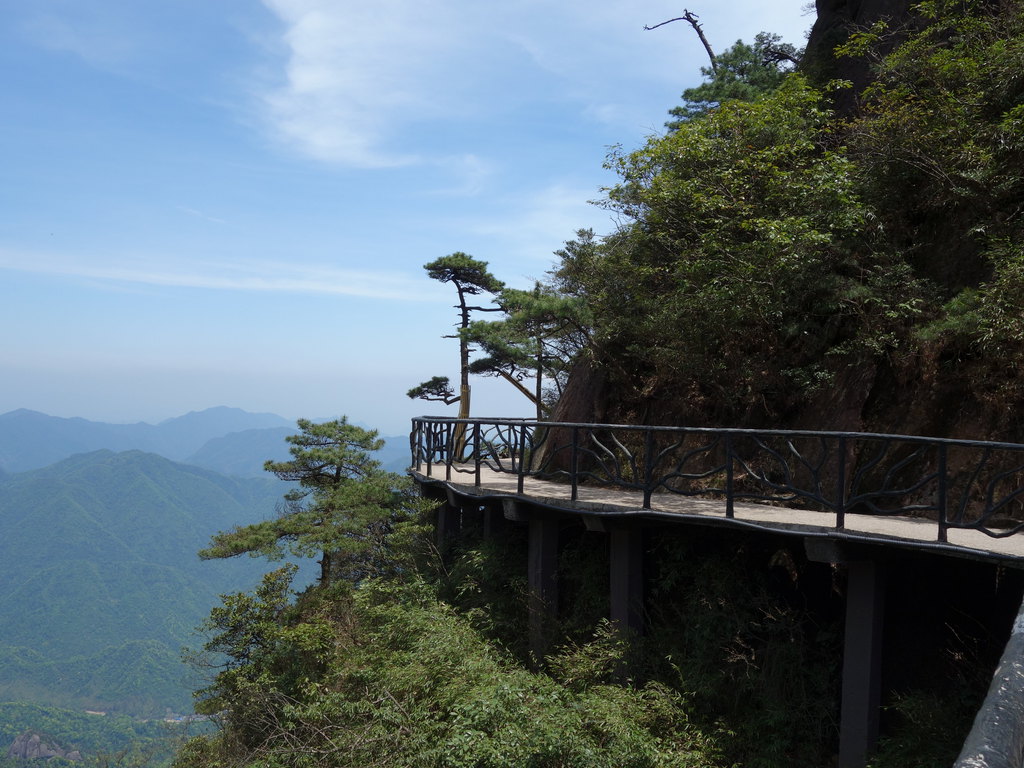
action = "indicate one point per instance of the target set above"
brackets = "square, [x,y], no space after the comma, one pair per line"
[35,746]
[835,20]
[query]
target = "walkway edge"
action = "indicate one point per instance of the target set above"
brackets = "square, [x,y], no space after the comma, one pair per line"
[996,739]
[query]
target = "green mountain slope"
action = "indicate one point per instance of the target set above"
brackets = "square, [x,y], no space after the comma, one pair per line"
[101,584]
[242,454]
[115,740]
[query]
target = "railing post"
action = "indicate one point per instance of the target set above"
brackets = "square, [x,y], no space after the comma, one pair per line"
[476,451]
[448,450]
[522,458]
[574,462]
[648,466]
[943,489]
[414,443]
[430,438]
[729,490]
[841,486]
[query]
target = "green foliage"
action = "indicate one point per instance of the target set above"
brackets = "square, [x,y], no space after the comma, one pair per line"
[402,680]
[439,388]
[344,508]
[741,73]
[923,734]
[469,276]
[747,245]
[769,248]
[487,582]
[103,740]
[939,144]
[542,332]
[731,626]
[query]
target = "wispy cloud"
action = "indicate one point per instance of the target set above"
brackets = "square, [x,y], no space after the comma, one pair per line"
[99,38]
[356,72]
[200,215]
[531,228]
[361,81]
[470,173]
[250,276]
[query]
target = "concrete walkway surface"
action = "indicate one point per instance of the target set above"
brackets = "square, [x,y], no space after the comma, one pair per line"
[611,502]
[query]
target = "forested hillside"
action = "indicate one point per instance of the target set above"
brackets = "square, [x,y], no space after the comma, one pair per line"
[102,585]
[99,739]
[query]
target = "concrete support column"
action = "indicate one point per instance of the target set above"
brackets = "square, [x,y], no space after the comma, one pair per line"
[449,517]
[862,663]
[494,521]
[542,570]
[627,577]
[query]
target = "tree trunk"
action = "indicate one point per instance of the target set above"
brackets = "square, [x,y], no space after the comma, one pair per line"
[460,429]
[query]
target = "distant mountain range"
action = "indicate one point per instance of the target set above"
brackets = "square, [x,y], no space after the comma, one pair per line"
[228,440]
[29,439]
[100,584]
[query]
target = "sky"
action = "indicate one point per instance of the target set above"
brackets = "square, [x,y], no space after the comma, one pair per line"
[230,202]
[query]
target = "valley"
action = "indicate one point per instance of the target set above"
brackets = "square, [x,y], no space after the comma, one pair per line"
[102,588]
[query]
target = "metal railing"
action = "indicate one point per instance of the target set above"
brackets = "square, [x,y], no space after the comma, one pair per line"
[955,483]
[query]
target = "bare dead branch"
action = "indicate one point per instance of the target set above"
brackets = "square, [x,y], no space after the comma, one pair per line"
[693,20]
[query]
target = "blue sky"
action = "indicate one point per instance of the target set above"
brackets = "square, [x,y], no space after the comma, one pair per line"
[229,202]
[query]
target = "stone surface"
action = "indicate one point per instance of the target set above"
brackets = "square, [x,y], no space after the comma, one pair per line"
[35,746]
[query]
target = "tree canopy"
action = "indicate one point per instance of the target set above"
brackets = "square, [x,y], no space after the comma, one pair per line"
[343,509]
[770,249]
[470,278]
[542,331]
[740,73]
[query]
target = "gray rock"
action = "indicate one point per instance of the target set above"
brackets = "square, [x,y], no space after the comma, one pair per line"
[35,746]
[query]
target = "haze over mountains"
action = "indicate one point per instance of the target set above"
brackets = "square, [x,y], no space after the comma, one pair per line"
[100,583]
[227,440]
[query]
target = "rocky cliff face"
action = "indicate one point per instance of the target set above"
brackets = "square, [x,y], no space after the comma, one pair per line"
[34,746]
[835,20]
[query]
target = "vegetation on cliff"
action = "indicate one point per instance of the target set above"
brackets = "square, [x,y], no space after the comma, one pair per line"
[376,664]
[776,257]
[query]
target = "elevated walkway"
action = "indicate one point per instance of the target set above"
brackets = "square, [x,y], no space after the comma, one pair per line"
[610,502]
[851,497]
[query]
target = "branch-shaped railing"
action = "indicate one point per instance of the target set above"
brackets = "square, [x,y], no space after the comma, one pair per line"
[956,483]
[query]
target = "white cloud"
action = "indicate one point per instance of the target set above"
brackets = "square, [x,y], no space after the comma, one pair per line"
[200,215]
[356,72]
[250,276]
[361,80]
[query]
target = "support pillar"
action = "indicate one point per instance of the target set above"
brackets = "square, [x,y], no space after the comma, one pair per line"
[627,584]
[449,520]
[494,521]
[862,663]
[543,580]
